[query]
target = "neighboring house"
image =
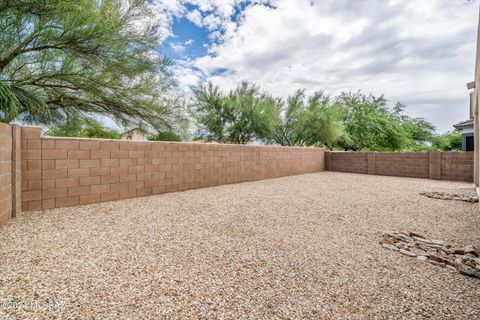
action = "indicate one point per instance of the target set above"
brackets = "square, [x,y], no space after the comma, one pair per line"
[466,129]
[136,134]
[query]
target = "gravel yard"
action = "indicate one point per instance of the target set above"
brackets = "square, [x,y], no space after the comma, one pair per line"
[296,247]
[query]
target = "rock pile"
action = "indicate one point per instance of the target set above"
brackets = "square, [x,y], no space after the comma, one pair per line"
[450,196]
[464,259]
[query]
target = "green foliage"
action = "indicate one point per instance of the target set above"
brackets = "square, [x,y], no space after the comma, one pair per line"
[420,132]
[350,121]
[245,114]
[312,122]
[211,112]
[369,124]
[87,57]
[15,101]
[165,136]
[84,128]
[450,141]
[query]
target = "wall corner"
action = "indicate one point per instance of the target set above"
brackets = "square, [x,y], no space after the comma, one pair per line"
[16,170]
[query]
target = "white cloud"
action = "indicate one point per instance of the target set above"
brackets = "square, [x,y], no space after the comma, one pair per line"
[186,76]
[212,22]
[418,52]
[195,16]
[189,42]
[177,47]
[165,10]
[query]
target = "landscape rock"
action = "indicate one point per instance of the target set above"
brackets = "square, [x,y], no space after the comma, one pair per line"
[467,270]
[450,196]
[408,253]
[437,263]
[471,249]
[390,246]
[464,259]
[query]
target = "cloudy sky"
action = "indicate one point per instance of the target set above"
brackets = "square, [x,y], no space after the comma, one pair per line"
[420,52]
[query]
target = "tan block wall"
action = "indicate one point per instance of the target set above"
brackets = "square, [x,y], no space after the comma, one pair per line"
[59,172]
[434,165]
[16,170]
[5,173]
[10,172]
[31,168]
[457,166]
[353,162]
[402,164]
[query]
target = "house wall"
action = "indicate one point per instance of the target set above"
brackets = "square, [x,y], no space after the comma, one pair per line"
[63,172]
[434,165]
[466,135]
[135,135]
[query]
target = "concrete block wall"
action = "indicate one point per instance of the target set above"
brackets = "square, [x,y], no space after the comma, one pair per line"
[457,166]
[5,173]
[60,172]
[431,165]
[10,173]
[31,168]
[39,172]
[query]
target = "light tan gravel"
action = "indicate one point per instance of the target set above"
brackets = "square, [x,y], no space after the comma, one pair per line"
[296,247]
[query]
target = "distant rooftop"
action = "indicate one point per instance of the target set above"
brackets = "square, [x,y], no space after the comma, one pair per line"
[464,124]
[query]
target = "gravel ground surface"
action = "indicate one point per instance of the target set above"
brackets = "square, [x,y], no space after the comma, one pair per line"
[297,247]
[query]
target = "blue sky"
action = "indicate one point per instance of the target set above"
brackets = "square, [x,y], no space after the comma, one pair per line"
[187,39]
[418,52]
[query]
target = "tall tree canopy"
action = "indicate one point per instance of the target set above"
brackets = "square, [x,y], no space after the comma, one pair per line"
[61,58]
[312,121]
[449,141]
[244,115]
[369,124]
[419,131]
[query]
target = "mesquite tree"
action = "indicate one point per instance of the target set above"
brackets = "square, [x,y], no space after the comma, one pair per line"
[244,115]
[60,58]
[311,121]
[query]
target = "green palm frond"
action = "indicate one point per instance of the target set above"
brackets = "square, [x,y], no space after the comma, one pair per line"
[9,103]
[16,102]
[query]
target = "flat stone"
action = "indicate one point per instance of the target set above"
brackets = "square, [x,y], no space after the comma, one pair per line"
[400,245]
[419,252]
[440,264]
[470,249]
[389,246]
[422,239]
[438,242]
[452,268]
[458,250]
[387,241]
[422,258]
[469,271]
[442,259]
[408,253]
[418,235]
